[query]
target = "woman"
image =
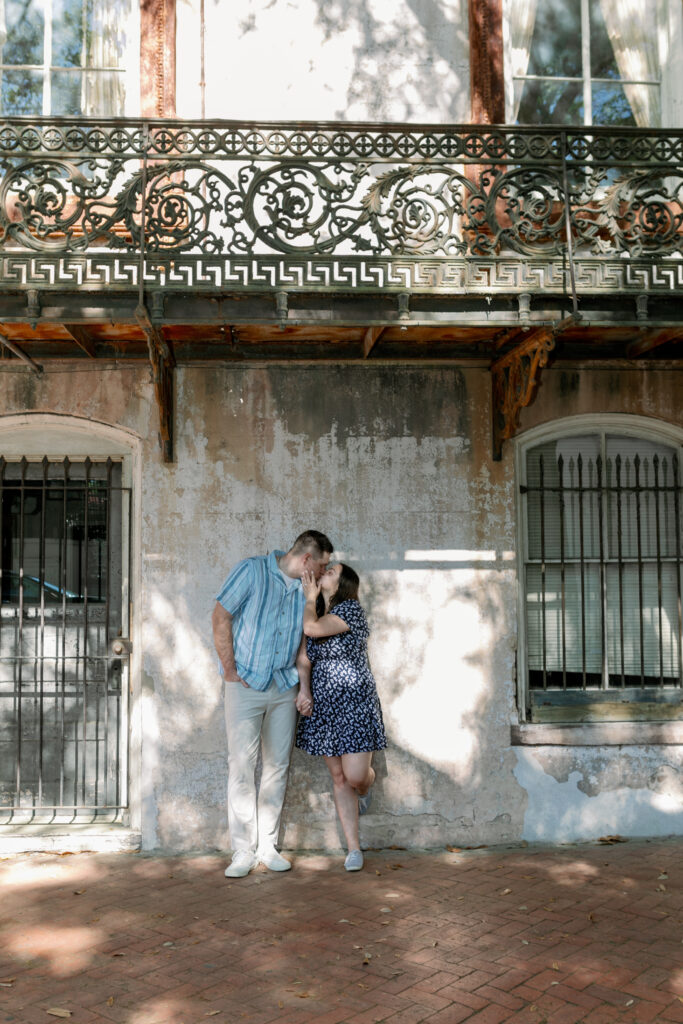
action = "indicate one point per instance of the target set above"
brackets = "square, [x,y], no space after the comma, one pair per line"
[342,715]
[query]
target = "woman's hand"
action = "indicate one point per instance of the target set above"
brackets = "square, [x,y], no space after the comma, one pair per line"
[311,587]
[304,703]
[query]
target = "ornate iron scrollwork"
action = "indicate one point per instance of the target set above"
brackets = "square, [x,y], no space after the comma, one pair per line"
[437,197]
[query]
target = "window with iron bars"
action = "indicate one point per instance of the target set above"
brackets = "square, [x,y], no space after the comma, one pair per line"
[602,578]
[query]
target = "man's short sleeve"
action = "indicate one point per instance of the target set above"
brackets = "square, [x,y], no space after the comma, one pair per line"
[236,589]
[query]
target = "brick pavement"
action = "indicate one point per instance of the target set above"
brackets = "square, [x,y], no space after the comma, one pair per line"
[524,936]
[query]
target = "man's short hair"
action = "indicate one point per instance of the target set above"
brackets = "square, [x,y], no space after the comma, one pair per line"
[314,541]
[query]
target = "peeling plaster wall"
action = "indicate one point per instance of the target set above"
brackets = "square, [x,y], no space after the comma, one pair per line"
[394,463]
[297,60]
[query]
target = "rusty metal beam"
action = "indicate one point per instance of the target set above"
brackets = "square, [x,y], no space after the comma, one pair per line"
[20,354]
[82,338]
[372,336]
[650,340]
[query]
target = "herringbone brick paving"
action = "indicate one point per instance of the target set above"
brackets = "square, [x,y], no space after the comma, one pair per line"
[587,934]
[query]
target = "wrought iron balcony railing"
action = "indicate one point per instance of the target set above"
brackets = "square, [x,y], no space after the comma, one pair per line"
[227,206]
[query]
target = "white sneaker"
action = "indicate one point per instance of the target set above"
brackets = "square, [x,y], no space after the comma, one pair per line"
[241,864]
[273,860]
[354,860]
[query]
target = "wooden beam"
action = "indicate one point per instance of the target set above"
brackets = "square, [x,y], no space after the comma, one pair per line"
[158,58]
[162,363]
[650,340]
[487,84]
[82,338]
[372,336]
[515,377]
[20,354]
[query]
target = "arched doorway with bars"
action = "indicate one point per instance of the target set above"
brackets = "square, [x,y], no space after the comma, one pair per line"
[66,621]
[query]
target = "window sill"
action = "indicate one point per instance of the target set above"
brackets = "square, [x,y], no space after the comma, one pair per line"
[597,734]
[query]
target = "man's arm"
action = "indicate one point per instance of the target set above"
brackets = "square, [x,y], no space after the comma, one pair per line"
[221,620]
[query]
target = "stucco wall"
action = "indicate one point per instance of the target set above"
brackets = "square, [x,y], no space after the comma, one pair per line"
[399,60]
[394,463]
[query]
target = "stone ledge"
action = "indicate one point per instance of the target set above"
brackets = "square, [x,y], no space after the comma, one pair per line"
[68,839]
[597,734]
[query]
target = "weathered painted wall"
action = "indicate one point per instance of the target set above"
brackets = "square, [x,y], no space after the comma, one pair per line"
[399,60]
[394,463]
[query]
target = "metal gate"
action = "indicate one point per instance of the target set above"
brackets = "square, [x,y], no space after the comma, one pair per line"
[64,626]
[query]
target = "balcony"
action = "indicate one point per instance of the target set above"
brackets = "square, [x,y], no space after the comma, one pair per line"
[232,240]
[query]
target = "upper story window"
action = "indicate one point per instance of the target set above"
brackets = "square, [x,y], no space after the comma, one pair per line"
[593,62]
[602,577]
[66,57]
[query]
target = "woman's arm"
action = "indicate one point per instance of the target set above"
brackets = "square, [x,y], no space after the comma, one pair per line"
[326,625]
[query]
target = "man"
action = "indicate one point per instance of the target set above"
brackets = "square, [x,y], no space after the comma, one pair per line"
[257,630]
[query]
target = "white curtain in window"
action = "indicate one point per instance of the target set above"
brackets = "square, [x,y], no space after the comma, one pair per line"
[520,16]
[631,27]
[105,90]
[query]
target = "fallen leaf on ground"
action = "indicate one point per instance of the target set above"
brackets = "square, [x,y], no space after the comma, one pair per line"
[79,892]
[506,892]
[609,840]
[591,917]
[211,1013]
[555,966]
[345,920]
[454,849]
[55,1011]
[110,1001]
[8,982]
[660,888]
[630,1002]
[394,867]
[663,875]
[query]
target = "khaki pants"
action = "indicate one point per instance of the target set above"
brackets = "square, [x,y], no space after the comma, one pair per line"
[253,716]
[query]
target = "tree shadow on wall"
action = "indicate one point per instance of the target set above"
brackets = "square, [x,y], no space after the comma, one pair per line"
[386,49]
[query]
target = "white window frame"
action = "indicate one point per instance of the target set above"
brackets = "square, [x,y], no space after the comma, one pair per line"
[670,46]
[641,427]
[130,68]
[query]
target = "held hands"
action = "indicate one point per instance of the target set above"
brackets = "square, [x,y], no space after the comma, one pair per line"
[304,703]
[311,587]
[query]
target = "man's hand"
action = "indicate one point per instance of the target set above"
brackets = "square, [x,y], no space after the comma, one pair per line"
[222,638]
[304,703]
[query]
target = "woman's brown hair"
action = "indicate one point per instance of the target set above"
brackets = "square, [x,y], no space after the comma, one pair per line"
[347,590]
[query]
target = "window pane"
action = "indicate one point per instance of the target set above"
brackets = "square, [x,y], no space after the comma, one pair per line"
[22,92]
[67,33]
[551,102]
[603,61]
[567,619]
[556,43]
[66,92]
[641,500]
[564,518]
[642,633]
[25,27]
[610,105]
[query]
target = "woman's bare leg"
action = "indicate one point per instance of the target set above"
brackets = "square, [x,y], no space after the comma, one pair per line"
[345,800]
[358,771]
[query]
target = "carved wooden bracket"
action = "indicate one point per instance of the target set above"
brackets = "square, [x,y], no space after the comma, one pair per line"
[162,363]
[515,378]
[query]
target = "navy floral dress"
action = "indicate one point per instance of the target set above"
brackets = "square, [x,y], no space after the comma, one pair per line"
[347,717]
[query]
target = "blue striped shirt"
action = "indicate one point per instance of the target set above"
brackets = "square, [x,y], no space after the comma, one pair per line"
[267,621]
